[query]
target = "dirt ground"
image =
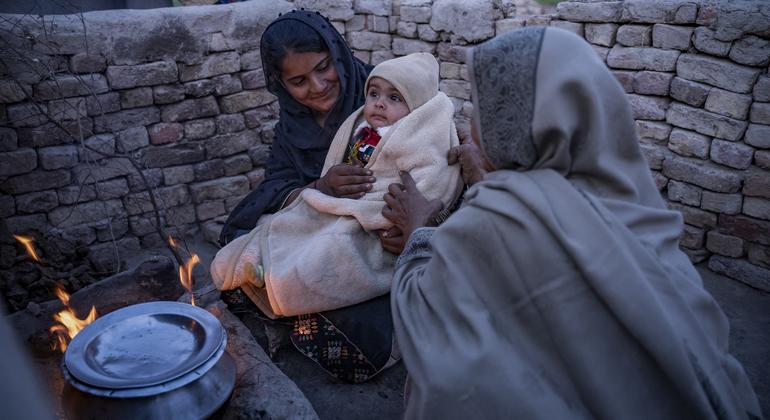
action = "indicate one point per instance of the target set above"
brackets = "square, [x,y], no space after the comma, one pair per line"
[748,310]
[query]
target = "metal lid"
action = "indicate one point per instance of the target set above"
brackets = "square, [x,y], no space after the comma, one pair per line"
[144,345]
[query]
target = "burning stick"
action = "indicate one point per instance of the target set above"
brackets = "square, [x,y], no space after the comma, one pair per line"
[69,323]
[186,270]
[27,241]
[185,276]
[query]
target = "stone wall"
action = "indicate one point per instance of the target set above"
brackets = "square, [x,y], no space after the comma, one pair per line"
[696,74]
[98,111]
[181,91]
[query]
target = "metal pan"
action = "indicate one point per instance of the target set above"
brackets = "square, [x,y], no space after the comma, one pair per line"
[151,390]
[144,345]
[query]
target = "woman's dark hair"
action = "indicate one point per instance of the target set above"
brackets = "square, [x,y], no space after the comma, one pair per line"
[288,35]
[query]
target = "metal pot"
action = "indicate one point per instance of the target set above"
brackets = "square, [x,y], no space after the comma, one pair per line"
[152,360]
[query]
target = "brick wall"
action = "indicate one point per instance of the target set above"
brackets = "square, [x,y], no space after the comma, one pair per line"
[181,90]
[696,74]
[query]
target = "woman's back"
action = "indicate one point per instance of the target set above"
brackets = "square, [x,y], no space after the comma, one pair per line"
[558,290]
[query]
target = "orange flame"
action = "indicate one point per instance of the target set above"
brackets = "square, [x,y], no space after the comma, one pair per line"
[63,296]
[69,323]
[185,275]
[185,272]
[27,241]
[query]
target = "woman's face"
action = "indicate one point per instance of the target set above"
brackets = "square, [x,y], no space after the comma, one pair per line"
[311,79]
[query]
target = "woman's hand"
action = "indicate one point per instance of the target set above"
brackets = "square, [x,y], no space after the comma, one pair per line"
[346,181]
[407,208]
[392,240]
[471,159]
[474,165]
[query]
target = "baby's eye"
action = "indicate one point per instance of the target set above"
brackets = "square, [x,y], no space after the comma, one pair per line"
[395,98]
[373,93]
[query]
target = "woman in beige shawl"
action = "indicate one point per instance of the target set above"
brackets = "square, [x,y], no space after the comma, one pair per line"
[557,290]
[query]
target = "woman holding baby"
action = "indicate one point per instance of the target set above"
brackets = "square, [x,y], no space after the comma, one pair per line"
[318,82]
[308,238]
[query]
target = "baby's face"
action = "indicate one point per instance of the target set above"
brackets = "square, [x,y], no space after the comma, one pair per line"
[384,104]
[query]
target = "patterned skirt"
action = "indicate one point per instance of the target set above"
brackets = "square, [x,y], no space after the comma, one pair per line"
[352,344]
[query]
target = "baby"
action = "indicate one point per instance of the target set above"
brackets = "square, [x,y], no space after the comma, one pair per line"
[383,107]
[320,252]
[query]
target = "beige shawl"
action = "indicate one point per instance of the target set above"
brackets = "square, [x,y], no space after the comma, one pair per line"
[320,253]
[558,290]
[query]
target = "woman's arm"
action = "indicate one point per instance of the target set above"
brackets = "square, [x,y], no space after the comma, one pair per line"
[282,175]
[473,168]
[409,210]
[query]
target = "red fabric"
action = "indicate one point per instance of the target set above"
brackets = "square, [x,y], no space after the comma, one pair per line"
[369,136]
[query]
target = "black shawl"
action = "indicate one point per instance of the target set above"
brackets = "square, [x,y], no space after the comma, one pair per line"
[300,144]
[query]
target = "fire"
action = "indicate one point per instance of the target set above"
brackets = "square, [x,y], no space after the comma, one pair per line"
[27,241]
[185,275]
[185,271]
[63,296]
[69,323]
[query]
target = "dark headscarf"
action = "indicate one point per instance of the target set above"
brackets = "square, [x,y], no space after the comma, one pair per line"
[300,143]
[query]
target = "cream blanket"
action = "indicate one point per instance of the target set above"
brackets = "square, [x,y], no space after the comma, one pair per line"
[320,252]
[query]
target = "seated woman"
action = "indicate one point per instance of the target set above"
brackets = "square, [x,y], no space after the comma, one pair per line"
[319,83]
[558,290]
